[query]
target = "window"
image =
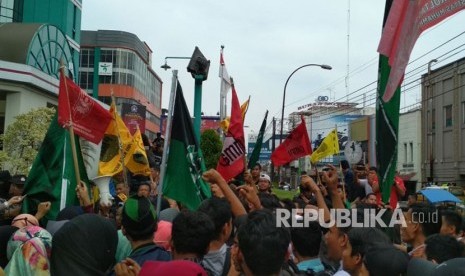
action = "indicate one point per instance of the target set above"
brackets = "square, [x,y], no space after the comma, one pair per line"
[463,112]
[411,152]
[405,152]
[433,119]
[448,116]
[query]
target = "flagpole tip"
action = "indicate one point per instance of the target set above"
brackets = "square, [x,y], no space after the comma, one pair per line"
[222,47]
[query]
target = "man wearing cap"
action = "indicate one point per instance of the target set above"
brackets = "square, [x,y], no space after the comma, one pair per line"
[138,224]
[264,184]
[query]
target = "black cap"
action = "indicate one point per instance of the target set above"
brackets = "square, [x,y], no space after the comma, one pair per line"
[19,179]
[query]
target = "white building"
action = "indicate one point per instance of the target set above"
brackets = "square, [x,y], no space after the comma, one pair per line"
[409,147]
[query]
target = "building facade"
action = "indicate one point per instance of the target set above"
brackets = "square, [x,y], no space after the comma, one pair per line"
[120,63]
[443,124]
[64,15]
[30,56]
[409,148]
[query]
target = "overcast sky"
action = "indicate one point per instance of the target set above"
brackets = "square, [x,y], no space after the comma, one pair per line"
[265,41]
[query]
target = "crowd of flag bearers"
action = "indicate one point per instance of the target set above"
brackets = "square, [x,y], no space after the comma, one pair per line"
[155,209]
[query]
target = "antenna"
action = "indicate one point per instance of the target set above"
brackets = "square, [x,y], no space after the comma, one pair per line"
[348,51]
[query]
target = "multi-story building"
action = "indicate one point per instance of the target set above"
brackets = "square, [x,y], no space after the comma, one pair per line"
[35,36]
[64,15]
[443,124]
[120,63]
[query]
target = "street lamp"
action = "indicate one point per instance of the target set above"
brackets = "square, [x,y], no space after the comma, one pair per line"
[322,66]
[198,67]
[166,66]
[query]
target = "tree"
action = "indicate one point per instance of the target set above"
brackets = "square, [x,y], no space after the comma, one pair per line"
[211,146]
[23,138]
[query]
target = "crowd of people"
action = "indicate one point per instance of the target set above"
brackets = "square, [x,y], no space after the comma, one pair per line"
[235,232]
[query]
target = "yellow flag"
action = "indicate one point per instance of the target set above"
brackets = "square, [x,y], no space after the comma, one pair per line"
[136,159]
[329,146]
[244,107]
[110,156]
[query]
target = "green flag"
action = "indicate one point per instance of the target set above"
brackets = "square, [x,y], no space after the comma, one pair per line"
[258,144]
[183,178]
[52,176]
[387,126]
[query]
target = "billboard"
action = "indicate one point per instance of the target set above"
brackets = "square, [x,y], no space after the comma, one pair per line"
[265,153]
[133,115]
[320,126]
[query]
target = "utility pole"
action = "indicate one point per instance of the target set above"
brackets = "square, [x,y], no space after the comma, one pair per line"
[273,146]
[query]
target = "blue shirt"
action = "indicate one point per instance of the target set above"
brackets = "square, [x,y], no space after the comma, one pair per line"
[313,264]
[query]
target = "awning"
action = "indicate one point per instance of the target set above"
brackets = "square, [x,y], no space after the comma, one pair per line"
[439,195]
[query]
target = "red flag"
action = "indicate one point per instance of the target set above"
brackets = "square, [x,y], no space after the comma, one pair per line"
[232,159]
[295,146]
[89,118]
[406,21]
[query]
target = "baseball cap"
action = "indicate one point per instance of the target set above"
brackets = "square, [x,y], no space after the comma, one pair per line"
[452,267]
[265,177]
[138,215]
[179,267]
[19,179]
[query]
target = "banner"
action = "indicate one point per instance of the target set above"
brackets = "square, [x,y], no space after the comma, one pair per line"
[133,115]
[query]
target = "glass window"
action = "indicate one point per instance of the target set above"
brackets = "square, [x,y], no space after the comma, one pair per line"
[463,112]
[85,58]
[448,116]
[433,119]
[411,152]
[405,152]
[91,54]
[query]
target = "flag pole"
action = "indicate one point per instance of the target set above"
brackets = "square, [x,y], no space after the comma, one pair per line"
[340,169]
[70,127]
[169,122]
[120,143]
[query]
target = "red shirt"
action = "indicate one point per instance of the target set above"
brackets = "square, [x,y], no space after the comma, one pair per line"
[394,198]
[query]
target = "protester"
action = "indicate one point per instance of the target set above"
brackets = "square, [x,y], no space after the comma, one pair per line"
[262,247]
[86,245]
[440,248]
[138,225]
[191,235]
[29,251]
[218,258]
[451,224]
[264,183]
[306,247]
[6,231]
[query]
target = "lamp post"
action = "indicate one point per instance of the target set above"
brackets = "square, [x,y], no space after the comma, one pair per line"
[323,66]
[198,67]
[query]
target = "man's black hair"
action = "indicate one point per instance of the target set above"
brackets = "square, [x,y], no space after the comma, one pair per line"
[307,240]
[269,201]
[192,232]
[424,214]
[262,244]
[219,211]
[454,219]
[442,248]
[373,169]
[259,166]
[363,238]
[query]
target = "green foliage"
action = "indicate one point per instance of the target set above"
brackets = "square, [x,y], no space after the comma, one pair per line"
[23,138]
[211,146]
